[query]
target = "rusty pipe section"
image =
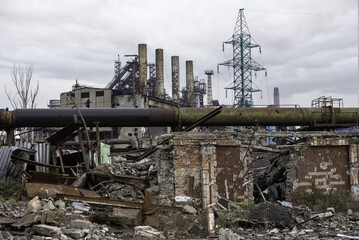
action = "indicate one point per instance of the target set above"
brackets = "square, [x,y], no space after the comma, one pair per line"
[130,117]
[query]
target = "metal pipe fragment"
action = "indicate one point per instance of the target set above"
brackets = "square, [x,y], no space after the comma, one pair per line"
[175,79]
[129,117]
[189,84]
[159,88]
[142,56]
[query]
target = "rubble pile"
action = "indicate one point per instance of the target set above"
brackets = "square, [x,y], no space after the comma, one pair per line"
[126,191]
[41,218]
[144,168]
[267,221]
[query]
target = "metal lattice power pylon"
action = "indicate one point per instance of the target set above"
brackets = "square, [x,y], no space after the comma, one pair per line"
[242,63]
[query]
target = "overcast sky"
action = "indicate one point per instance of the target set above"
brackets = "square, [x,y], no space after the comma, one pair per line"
[309,47]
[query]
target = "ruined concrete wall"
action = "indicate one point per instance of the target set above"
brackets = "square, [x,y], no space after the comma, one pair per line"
[354,168]
[87,98]
[326,164]
[165,168]
[210,159]
[129,101]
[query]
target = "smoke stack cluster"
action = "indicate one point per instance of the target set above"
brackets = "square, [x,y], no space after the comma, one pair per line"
[156,84]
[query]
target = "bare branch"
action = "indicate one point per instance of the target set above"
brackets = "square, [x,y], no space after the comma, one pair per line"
[25,97]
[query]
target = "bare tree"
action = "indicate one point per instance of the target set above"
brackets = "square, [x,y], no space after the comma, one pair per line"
[24,96]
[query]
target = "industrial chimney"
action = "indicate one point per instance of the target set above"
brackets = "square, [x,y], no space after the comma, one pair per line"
[189,83]
[142,56]
[175,79]
[159,86]
[209,74]
[276,97]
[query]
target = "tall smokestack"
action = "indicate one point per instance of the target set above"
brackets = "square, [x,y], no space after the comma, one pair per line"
[189,83]
[159,86]
[175,79]
[209,74]
[142,56]
[276,97]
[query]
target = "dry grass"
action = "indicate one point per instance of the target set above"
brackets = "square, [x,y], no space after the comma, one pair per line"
[319,201]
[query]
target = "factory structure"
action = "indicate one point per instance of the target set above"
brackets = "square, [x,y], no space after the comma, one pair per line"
[140,84]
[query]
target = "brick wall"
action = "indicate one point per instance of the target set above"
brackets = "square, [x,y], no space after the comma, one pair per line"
[211,158]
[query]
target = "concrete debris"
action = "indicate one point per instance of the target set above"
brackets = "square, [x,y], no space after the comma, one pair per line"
[47,230]
[49,206]
[189,209]
[227,234]
[81,224]
[74,233]
[147,233]
[60,204]
[165,195]
[34,205]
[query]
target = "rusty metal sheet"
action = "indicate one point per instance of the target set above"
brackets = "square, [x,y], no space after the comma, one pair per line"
[325,168]
[51,178]
[88,193]
[123,178]
[103,201]
[33,189]
[228,160]
[63,133]
[115,203]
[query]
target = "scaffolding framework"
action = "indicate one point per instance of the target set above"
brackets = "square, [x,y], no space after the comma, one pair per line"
[242,63]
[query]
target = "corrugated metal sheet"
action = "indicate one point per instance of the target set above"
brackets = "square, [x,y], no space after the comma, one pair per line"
[7,167]
[42,155]
[23,149]
[5,153]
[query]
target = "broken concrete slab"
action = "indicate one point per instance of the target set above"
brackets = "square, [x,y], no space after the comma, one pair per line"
[189,209]
[147,233]
[49,206]
[47,230]
[74,233]
[34,205]
[81,224]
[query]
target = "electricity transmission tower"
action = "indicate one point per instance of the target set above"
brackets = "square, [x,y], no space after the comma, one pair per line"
[242,63]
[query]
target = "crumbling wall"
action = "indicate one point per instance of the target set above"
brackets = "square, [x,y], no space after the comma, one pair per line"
[327,164]
[203,162]
[165,174]
[354,168]
[206,164]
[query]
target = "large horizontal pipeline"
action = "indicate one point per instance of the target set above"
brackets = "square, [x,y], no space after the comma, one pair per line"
[181,116]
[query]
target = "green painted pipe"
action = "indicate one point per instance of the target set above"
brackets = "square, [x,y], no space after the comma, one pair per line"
[129,117]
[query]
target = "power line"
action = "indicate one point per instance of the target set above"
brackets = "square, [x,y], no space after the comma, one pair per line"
[303,13]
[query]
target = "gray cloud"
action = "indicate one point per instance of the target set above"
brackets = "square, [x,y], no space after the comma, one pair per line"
[309,47]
